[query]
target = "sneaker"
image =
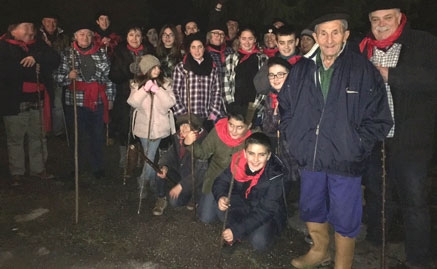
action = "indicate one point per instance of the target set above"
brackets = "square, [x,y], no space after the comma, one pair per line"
[160,205]
[191,205]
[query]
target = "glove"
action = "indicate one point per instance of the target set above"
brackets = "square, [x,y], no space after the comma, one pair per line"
[151,86]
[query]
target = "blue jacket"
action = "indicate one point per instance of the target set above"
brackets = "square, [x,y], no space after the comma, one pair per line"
[336,135]
[265,202]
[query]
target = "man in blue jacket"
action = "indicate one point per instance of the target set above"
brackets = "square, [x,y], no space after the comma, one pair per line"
[333,109]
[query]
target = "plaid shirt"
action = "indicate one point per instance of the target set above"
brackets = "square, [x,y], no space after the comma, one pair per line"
[229,81]
[101,75]
[388,58]
[205,93]
[216,58]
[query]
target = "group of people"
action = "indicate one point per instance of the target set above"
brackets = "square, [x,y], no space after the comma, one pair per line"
[234,122]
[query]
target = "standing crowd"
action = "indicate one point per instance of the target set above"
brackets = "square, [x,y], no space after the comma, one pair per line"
[235,122]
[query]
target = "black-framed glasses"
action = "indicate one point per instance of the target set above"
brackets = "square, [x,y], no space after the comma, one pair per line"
[277,75]
[218,34]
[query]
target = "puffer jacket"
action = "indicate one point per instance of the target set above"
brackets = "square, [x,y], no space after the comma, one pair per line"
[336,135]
[162,124]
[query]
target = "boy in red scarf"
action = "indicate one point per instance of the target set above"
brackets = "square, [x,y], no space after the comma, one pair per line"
[225,139]
[257,209]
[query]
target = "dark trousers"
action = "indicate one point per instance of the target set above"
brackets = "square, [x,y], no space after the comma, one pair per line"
[90,127]
[408,179]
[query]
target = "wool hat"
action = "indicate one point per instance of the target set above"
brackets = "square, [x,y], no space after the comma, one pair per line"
[81,25]
[218,26]
[247,111]
[331,14]
[101,13]
[382,5]
[195,121]
[191,38]
[147,62]
[307,32]
[50,15]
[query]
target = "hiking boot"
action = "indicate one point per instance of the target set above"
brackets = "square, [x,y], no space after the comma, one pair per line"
[160,205]
[43,175]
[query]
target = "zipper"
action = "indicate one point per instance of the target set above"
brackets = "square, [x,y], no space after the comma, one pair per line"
[317,138]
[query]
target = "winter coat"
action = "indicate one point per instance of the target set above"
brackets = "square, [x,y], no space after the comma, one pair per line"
[162,124]
[336,135]
[265,202]
[13,74]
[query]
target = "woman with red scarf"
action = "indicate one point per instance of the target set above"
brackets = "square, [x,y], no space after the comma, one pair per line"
[125,54]
[257,209]
[225,139]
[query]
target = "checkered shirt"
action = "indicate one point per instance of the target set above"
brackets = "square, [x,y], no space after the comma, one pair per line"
[388,58]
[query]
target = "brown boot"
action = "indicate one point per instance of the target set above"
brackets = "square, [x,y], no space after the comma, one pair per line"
[318,253]
[344,251]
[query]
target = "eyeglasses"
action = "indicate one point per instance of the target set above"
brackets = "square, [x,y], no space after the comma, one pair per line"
[168,35]
[277,75]
[218,34]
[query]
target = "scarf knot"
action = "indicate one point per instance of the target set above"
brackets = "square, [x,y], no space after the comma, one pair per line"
[247,54]
[222,131]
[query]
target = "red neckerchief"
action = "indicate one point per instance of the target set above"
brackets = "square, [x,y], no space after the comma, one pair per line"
[369,41]
[22,44]
[221,128]
[239,162]
[93,50]
[135,50]
[248,54]
[274,97]
[221,51]
[293,60]
[270,52]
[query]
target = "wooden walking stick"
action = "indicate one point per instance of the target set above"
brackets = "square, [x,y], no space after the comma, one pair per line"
[193,178]
[126,163]
[76,135]
[384,174]
[41,119]
[152,95]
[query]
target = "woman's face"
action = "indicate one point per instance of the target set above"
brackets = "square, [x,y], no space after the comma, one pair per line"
[277,76]
[154,73]
[134,38]
[152,36]
[247,40]
[168,38]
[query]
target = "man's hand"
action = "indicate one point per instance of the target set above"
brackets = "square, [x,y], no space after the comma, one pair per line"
[106,41]
[383,71]
[73,74]
[29,61]
[190,138]
[228,236]
[110,105]
[175,191]
[223,203]
[163,172]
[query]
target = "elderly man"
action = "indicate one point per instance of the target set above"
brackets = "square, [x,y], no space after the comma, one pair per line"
[407,61]
[84,71]
[25,74]
[333,109]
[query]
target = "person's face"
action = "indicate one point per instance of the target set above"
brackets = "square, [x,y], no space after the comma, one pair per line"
[103,22]
[306,43]
[236,128]
[270,40]
[152,36]
[287,44]
[277,75]
[197,50]
[247,40]
[257,156]
[168,38]
[191,28]
[154,73]
[217,37]
[384,23]
[134,38]
[330,36]
[49,24]
[24,32]
[184,129]
[232,28]
[83,37]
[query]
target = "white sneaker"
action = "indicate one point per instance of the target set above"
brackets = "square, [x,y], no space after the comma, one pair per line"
[160,205]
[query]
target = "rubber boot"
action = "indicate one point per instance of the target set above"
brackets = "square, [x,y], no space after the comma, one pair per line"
[318,253]
[132,159]
[344,251]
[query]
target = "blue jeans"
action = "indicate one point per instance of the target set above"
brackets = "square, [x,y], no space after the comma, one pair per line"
[150,147]
[91,134]
[409,179]
[208,208]
[331,198]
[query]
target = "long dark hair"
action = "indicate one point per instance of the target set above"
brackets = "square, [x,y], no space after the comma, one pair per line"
[142,79]
[175,50]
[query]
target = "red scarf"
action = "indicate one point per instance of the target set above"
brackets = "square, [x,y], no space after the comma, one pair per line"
[221,51]
[135,50]
[93,50]
[270,52]
[293,60]
[369,41]
[247,54]
[32,87]
[239,162]
[274,97]
[221,128]
[22,44]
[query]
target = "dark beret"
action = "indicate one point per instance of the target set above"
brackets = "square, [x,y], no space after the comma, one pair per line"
[329,17]
[382,5]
